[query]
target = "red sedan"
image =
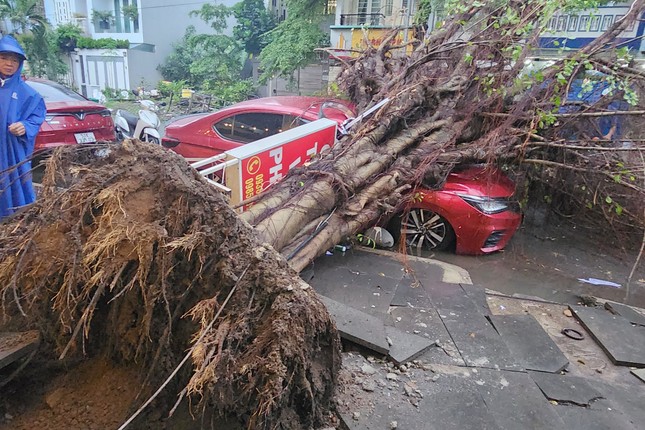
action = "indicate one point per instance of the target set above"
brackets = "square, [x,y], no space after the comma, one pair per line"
[474,213]
[71,118]
[203,135]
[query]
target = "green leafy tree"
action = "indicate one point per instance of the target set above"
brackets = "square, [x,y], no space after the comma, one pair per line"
[209,63]
[214,15]
[292,45]
[253,22]
[67,36]
[43,53]
[23,15]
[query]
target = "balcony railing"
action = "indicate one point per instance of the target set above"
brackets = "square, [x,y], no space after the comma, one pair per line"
[357,19]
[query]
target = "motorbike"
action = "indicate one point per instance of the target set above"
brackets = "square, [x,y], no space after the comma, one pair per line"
[144,127]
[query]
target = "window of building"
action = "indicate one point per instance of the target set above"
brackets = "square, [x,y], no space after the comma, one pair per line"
[562,23]
[573,23]
[607,21]
[330,7]
[388,7]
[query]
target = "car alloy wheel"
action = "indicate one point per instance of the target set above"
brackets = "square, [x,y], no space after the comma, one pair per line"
[425,229]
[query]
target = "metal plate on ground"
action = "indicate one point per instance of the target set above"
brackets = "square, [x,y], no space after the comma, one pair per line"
[404,346]
[639,373]
[477,295]
[428,324]
[15,345]
[566,389]
[580,418]
[476,339]
[358,327]
[364,281]
[515,402]
[626,312]
[452,402]
[529,343]
[623,343]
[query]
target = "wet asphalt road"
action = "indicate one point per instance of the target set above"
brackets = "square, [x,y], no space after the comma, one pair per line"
[548,262]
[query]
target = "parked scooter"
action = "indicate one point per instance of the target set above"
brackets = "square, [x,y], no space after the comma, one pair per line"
[144,127]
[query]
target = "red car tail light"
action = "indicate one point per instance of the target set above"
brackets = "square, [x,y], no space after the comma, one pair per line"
[169,142]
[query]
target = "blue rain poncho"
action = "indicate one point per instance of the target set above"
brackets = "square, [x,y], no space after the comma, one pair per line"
[18,103]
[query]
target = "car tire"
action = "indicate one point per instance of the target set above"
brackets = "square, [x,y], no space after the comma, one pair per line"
[423,229]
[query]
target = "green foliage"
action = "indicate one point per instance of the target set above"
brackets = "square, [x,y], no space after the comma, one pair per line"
[43,53]
[228,93]
[423,13]
[205,62]
[130,11]
[102,15]
[106,43]
[214,15]
[23,16]
[253,22]
[292,45]
[67,36]
[171,88]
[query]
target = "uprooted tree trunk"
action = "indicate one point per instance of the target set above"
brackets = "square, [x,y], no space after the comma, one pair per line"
[133,255]
[458,98]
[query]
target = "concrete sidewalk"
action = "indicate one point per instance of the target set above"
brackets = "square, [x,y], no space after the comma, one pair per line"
[426,349]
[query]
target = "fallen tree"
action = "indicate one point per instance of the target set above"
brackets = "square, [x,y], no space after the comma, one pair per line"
[157,264]
[461,97]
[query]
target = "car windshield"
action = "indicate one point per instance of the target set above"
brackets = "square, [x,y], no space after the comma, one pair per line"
[55,92]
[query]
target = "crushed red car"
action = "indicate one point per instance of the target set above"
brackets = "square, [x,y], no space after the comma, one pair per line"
[473,213]
[71,118]
[199,136]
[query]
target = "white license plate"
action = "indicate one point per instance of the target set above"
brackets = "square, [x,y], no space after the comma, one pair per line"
[85,137]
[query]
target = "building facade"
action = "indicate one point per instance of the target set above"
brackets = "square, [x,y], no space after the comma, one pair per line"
[151,29]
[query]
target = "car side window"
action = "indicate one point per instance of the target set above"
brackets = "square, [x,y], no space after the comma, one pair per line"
[249,127]
[291,121]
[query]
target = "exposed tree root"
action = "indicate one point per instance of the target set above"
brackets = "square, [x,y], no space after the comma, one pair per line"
[137,251]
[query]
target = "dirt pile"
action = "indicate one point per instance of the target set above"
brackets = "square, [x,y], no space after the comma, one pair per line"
[130,255]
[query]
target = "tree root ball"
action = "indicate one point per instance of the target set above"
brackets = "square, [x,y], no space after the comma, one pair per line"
[129,253]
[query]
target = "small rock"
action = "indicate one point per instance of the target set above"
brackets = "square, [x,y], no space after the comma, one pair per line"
[403,368]
[54,398]
[435,378]
[394,425]
[356,415]
[369,386]
[392,377]
[389,341]
[367,369]
[567,312]
[408,390]
[8,416]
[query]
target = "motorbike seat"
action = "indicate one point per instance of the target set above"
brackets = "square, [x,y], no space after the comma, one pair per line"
[130,118]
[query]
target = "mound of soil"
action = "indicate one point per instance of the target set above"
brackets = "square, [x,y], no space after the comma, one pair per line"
[130,255]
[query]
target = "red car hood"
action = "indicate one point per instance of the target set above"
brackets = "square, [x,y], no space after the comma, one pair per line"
[479,181]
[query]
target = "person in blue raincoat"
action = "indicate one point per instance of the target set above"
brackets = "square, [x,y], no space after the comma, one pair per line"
[22,111]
